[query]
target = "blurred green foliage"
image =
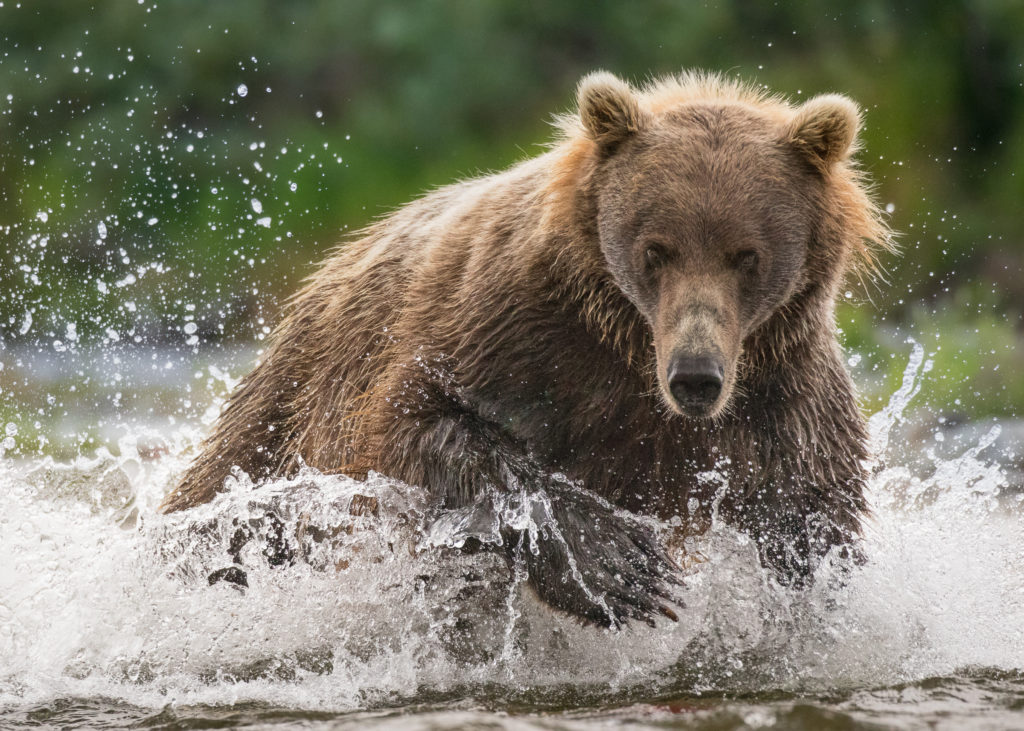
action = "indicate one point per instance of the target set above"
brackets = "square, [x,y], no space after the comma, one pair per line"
[170,170]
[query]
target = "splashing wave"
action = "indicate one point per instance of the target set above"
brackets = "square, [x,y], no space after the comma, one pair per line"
[101,596]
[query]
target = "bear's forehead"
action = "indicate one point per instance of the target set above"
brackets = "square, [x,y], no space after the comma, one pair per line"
[711,172]
[724,146]
[709,217]
[690,163]
[717,117]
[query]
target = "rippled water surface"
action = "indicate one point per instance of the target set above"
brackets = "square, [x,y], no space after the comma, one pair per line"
[108,619]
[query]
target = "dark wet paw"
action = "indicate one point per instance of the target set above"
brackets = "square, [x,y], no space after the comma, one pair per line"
[230,574]
[270,531]
[602,567]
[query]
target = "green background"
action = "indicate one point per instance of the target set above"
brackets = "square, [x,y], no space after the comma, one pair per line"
[148,199]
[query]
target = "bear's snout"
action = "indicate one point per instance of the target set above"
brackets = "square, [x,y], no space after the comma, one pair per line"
[695,381]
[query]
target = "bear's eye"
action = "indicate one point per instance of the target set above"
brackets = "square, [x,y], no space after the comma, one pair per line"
[654,257]
[746,260]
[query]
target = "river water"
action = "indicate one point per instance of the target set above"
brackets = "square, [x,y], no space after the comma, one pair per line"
[107,619]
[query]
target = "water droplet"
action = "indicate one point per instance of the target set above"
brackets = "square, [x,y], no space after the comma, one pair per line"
[242,90]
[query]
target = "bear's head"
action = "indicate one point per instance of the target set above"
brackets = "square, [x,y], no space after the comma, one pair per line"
[715,207]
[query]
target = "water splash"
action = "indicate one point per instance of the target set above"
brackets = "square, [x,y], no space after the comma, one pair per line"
[102,596]
[881,424]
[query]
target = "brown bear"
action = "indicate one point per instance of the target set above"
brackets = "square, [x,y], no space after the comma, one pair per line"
[645,305]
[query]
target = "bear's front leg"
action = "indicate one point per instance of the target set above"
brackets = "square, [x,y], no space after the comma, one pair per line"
[581,555]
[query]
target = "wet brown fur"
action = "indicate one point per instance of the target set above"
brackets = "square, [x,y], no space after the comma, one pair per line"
[487,307]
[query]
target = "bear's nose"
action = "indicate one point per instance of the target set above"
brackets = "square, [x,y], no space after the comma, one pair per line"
[695,381]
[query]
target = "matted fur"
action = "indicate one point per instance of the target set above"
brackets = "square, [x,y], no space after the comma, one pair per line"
[477,336]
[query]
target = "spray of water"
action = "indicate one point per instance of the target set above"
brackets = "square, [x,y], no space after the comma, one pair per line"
[100,595]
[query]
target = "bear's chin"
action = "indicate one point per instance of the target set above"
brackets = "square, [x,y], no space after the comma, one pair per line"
[695,412]
[700,414]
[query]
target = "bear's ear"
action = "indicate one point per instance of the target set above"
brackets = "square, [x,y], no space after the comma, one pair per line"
[825,128]
[609,109]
